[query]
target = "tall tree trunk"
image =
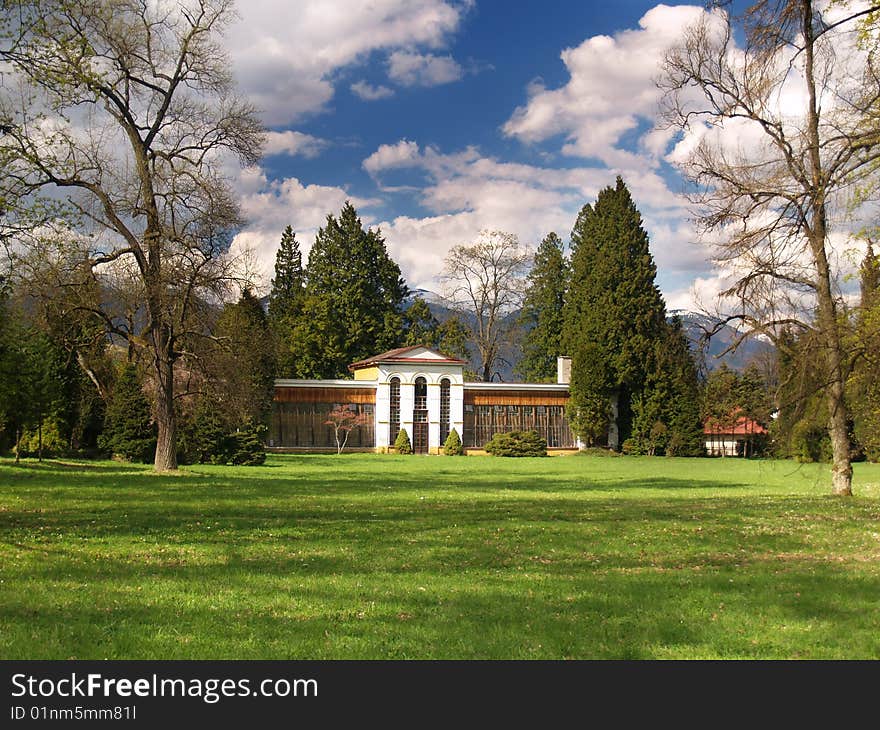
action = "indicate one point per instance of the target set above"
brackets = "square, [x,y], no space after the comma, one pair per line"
[841,470]
[166,422]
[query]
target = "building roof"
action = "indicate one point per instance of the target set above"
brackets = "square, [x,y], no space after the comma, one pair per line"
[414,353]
[743,426]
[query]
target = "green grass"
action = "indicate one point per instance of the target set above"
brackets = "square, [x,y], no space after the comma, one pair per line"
[368,556]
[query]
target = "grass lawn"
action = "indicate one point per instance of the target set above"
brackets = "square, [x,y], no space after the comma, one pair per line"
[368,556]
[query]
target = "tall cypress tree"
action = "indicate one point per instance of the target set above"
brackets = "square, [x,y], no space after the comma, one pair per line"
[614,313]
[354,298]
[666,412]
[542,312]
[286,300]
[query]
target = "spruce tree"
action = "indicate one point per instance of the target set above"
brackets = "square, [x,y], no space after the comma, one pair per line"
[541,315]
[128,428]
[614,313]
[354,298]
[286,300]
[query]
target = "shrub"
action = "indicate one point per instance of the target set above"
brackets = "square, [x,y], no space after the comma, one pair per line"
[402,444]
[517,443]
[247,445]
[810,442]
[453,446]
[53,444]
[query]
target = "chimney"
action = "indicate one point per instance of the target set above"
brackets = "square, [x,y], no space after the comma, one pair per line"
[563,370]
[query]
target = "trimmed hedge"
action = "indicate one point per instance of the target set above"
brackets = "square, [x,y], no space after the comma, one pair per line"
[402,444]
[453,446]
[517,443]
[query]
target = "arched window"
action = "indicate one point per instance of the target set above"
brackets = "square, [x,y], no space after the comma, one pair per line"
[394,416]
[420,417]
[444,410]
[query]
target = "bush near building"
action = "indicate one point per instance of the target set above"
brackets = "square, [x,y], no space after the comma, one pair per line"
[517,443]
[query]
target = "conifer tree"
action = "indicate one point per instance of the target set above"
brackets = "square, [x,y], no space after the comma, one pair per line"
[128,428]
[354,298]
[541,315]
[614,313]
[286,303]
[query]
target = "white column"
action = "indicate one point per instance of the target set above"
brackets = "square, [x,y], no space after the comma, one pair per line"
[433,417]
[407,402]
[383,416]
[456,409]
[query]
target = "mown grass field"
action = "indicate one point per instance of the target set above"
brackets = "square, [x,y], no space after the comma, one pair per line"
[368,556]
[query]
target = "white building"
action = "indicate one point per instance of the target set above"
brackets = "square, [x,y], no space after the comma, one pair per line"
[424,392]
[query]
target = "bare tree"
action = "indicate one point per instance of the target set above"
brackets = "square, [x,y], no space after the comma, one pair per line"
[123,114]
[787,128]
[486,282]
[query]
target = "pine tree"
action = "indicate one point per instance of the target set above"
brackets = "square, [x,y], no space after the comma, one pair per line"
[614,313]
[354,298]
[542,312]
[286,300]
[128,428]
[864,383]
[244,364]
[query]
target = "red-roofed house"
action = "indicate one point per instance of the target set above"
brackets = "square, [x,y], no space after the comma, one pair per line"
[732,439]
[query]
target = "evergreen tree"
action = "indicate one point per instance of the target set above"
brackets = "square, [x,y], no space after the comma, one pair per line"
[128,428]
[244,365]
[354,299]
[666,413]
[614,313]
[420,325]
[286,300]
[541,315]
[864,383]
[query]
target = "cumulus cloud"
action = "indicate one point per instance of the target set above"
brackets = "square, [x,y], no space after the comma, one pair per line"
[610,91]
[415,69]
[271,205]
[286,60]
[467,191]
[368,92]
[294,143]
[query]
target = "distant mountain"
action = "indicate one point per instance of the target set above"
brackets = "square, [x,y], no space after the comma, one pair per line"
[697,325]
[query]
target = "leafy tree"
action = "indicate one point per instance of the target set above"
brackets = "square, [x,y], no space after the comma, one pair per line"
[344,419]
[542,312]
[128,428]
[139,174]
[354,299]
[485,282]
[775,201]
[614,314]
[286,301]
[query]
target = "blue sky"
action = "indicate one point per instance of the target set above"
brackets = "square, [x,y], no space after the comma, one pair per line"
[440,118]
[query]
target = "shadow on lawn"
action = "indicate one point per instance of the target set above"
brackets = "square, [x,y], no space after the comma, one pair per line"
[591,615]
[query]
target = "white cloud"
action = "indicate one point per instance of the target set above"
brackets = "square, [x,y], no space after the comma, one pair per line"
[294,143]
[610,91]
[285,55]
[272,205]
[467,192]
[415,69]
[368,92]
